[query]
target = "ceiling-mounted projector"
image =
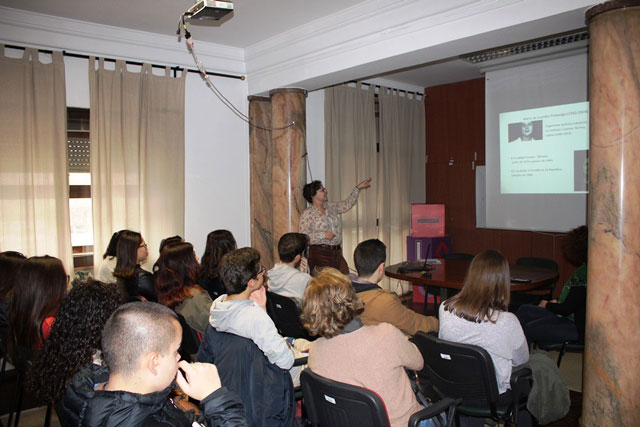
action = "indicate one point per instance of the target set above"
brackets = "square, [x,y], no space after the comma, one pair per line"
[209,10]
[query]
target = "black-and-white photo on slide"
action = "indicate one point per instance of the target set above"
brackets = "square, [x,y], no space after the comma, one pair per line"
[525,131]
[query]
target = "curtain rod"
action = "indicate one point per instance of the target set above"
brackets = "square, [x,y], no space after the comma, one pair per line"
[378,86]
[174,68]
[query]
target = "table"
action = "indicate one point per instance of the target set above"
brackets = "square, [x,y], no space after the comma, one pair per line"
[451,272]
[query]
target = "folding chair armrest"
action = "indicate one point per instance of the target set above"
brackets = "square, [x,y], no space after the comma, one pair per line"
[300,361]
[516,387]
[520,374]
[438,407]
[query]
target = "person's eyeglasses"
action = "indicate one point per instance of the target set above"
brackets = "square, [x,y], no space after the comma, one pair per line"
[144,245]
[261,271]
[68,278]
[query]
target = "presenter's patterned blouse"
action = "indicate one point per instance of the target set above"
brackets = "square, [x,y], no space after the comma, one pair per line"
[314,223]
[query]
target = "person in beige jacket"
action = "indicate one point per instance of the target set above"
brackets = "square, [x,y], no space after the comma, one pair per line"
[380,305]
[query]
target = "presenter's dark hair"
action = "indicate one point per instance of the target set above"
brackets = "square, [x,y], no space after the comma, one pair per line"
[368,256]
[292,244]
[75,337]
[310,190]
[177,273]
[112,247]
[10,262]
[219,243]
[238,267]
[127,254]
[485,291]
[575,245]
[135,329]
[40,287]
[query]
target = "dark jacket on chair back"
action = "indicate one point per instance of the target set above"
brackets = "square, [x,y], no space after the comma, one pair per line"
[265,389]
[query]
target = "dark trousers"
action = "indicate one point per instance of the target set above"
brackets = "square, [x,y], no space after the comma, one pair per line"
[320,256]
[542,326]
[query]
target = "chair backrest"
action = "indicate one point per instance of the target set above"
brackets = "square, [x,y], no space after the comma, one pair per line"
[458,255]
[286,315]
[458,371]
[538,262]
[190,339]
[335,404]
[265,390]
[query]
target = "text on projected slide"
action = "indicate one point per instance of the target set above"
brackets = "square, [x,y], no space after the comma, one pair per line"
[545,150]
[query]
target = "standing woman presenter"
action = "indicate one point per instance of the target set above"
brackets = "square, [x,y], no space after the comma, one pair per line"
[322,223]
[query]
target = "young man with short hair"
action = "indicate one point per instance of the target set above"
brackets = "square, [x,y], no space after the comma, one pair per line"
[140,343]
[380,305]
[289,277]
[233,312]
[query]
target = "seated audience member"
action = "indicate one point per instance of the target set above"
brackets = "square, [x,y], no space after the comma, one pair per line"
[109,261]
[75,338]
[135,282]
[563,319]
[380,305]
[176,285]
[219,243]
[140,344]
[40,287]
[10,263]
[478,315]
[373,357]
[163,244]
[235,313]
[289,277]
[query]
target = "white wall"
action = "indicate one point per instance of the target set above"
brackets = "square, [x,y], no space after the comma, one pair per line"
[216,162]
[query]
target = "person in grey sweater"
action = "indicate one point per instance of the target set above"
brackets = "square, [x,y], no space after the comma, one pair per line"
[290,276]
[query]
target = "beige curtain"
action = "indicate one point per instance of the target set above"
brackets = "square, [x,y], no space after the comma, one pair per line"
[137,154]
[350,157]
[402,175]
[34,184]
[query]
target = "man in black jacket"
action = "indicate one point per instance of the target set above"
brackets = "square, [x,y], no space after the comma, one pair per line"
[140,344]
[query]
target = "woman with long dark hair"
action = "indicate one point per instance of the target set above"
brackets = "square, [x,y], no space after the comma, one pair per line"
[177,287]
[135,282]
[40,286]
[479,315]
[10,262]
[219,243]
[75,338]
[109,260]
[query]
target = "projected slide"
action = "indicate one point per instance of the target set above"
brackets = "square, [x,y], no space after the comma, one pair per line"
[545,150]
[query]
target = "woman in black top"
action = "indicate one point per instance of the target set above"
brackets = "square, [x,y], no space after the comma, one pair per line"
[136,283]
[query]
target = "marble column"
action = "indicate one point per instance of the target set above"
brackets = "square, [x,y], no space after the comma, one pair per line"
[261,159]
[611,383]
[288,120]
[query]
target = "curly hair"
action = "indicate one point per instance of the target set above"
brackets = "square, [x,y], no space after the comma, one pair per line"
[75,337]
[177,273]
[329,303]
[575,245]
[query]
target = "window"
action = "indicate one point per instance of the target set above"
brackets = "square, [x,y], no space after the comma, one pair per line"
[78,154]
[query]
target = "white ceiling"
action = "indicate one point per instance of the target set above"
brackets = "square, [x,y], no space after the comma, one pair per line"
[252,22]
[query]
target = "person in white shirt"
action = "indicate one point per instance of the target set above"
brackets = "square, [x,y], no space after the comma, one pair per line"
[479,316]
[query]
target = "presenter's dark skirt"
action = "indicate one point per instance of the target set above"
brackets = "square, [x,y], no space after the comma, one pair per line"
[327,256]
